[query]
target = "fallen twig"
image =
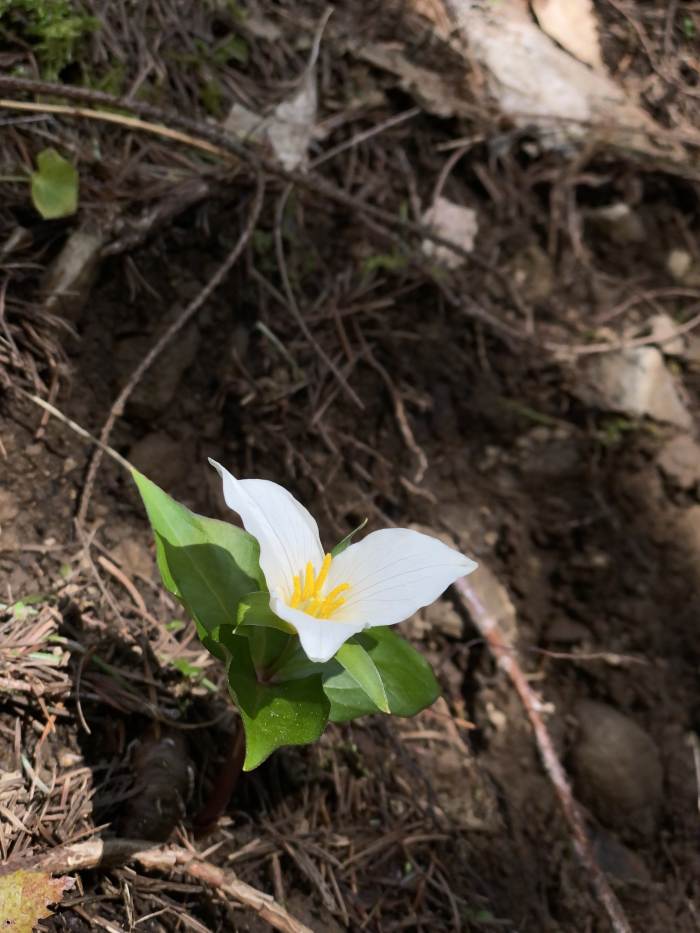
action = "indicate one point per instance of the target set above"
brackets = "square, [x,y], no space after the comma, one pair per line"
[183,318]
[111,853]
[506,657]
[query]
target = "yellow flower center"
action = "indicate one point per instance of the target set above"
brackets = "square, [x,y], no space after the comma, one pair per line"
[307,594]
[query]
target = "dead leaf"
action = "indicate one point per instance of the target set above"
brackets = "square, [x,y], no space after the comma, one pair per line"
[453,222]
[538,84]
[573,24]
[25,896]
[292,127]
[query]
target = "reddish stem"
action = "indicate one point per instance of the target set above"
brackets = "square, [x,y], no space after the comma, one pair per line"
[224,786]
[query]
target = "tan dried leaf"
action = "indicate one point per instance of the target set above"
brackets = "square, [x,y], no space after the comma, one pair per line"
[573,24]
[25,896]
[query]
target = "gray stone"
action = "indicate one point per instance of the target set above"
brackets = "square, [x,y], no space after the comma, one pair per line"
[618,769]
[679,460]
[635,381]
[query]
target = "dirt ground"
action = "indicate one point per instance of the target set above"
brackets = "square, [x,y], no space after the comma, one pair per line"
[335,359]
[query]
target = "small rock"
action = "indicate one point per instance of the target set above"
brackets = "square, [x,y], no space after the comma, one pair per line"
[678,264]
[683,268]
[636,381]
[161,458]
[664,330]
[454,222]
[618,769]
[679,460]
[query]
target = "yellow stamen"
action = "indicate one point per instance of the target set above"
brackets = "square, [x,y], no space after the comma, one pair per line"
[307,587]
[327,609]
[308,582]
[296,595]
[314,607]
[323,573]
[335,593]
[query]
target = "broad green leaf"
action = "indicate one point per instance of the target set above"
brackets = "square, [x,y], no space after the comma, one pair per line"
[358,663]
[274,714]
[54,186]
[25,896]
[208,564]
[408,682]
[347,698]
[269,637]
[347,540]
[296,665]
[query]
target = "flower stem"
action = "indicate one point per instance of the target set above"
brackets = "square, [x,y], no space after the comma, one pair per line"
[224,786]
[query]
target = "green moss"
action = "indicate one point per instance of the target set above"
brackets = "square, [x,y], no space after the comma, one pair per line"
[54,29]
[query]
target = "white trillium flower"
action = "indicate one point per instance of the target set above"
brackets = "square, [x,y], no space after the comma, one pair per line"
[382,580]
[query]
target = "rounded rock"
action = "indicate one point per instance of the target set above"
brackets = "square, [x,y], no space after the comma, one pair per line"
[618,769]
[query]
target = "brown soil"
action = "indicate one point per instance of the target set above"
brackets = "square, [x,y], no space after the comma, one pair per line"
[447,821]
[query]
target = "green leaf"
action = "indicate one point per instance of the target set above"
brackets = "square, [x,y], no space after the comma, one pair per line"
[207,564]
[409,683]
[347,698]
[274,714]
[358,663]
[295,665]
[186,668]
[54,186]
[347,540]
[268,635]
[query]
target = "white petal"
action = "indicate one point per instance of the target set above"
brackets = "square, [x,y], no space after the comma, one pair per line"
[320,638]
[392,573]
[286,532]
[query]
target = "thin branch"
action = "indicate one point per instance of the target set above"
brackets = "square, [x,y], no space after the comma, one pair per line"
[506,658]
[114,852]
